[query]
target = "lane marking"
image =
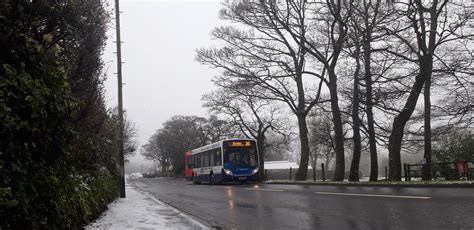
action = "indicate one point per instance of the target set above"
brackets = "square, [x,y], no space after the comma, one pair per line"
[221,186]
[373,195]
[265,189]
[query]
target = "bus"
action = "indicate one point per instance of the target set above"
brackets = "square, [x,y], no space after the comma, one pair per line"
[224,161]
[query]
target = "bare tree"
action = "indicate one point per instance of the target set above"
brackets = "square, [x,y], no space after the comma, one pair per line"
[266,60]
[322,138]
[422,28]
[130,145]
[251,116]
[324,40]
[372,15]
[153,151]
[357,145]
[179,135]
[369,66]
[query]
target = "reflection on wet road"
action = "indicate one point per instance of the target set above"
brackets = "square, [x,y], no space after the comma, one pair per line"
[263,206]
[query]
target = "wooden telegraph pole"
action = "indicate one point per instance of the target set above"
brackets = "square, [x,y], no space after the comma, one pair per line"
[120,104]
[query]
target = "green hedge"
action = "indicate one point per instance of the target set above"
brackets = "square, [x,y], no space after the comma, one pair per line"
[58,202]
[42,184]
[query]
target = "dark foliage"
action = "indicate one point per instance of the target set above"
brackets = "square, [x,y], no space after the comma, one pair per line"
[57,139]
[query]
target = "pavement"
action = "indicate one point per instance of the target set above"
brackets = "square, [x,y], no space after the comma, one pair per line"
[141,211]
[280,206]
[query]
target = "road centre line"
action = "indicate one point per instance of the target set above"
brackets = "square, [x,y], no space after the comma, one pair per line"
[265,189]
[222,187]
[373,195]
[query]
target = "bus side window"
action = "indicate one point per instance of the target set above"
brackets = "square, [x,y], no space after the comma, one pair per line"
[208,158]
[211,158]
[198,160]
[204,161]
[217,157]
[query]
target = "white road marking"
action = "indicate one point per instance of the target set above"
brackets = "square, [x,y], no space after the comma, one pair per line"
[265,189]
[221,186]
[373,195]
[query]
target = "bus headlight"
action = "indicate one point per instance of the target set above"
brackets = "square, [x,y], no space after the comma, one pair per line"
[228,172]
[255,171]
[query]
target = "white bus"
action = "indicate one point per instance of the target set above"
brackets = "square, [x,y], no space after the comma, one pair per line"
[223,161]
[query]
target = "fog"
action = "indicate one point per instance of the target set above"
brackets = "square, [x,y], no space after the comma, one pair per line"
[161,77]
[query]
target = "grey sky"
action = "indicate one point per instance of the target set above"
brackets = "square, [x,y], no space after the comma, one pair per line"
[161,77]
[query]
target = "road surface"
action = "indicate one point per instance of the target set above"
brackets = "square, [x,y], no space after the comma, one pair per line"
[265,206]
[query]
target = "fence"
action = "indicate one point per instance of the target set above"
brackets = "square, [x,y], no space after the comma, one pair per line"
[440,170]
[313,174]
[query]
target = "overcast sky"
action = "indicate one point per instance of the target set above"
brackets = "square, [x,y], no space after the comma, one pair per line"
[161,77]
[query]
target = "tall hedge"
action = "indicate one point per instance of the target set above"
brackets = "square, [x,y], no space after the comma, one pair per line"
[57,140]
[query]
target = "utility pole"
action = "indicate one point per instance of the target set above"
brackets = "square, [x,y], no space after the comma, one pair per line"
[120,104]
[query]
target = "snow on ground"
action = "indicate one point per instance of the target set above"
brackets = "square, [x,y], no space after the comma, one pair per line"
[133,175]
[141,211]
[282,165]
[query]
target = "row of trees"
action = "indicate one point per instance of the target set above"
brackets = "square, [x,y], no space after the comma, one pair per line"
[58,141]
[183,133]
[361,64]
[350,72]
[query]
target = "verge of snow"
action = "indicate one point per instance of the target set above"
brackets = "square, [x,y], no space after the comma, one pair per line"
[142,211]
[133,175]
[282,165]
[380,182]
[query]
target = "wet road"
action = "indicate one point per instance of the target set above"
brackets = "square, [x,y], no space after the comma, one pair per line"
[263,206]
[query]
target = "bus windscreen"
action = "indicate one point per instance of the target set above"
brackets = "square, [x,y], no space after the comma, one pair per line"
[241,156]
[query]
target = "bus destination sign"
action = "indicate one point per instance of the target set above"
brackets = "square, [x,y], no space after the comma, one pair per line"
[240,144]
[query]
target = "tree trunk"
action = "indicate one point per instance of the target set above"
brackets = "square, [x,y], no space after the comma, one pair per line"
[426,171]
[261,157]
[399,122]
[354,171]
[337,120]
[304,144]
[374,166]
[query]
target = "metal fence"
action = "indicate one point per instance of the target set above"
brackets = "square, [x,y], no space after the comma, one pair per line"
[313,174]
[439,170]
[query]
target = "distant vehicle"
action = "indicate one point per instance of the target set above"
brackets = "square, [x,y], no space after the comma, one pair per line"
[223,161]
[149,174]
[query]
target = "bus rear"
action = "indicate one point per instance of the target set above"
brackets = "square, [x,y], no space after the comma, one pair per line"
[188,172]
[241,161]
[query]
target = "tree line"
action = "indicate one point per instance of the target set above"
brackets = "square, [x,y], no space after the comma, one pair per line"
[58,140]
[355,76]
[183,133]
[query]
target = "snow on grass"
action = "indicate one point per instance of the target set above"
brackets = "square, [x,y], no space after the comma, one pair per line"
[133,175]
[380,182]
[142,211]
